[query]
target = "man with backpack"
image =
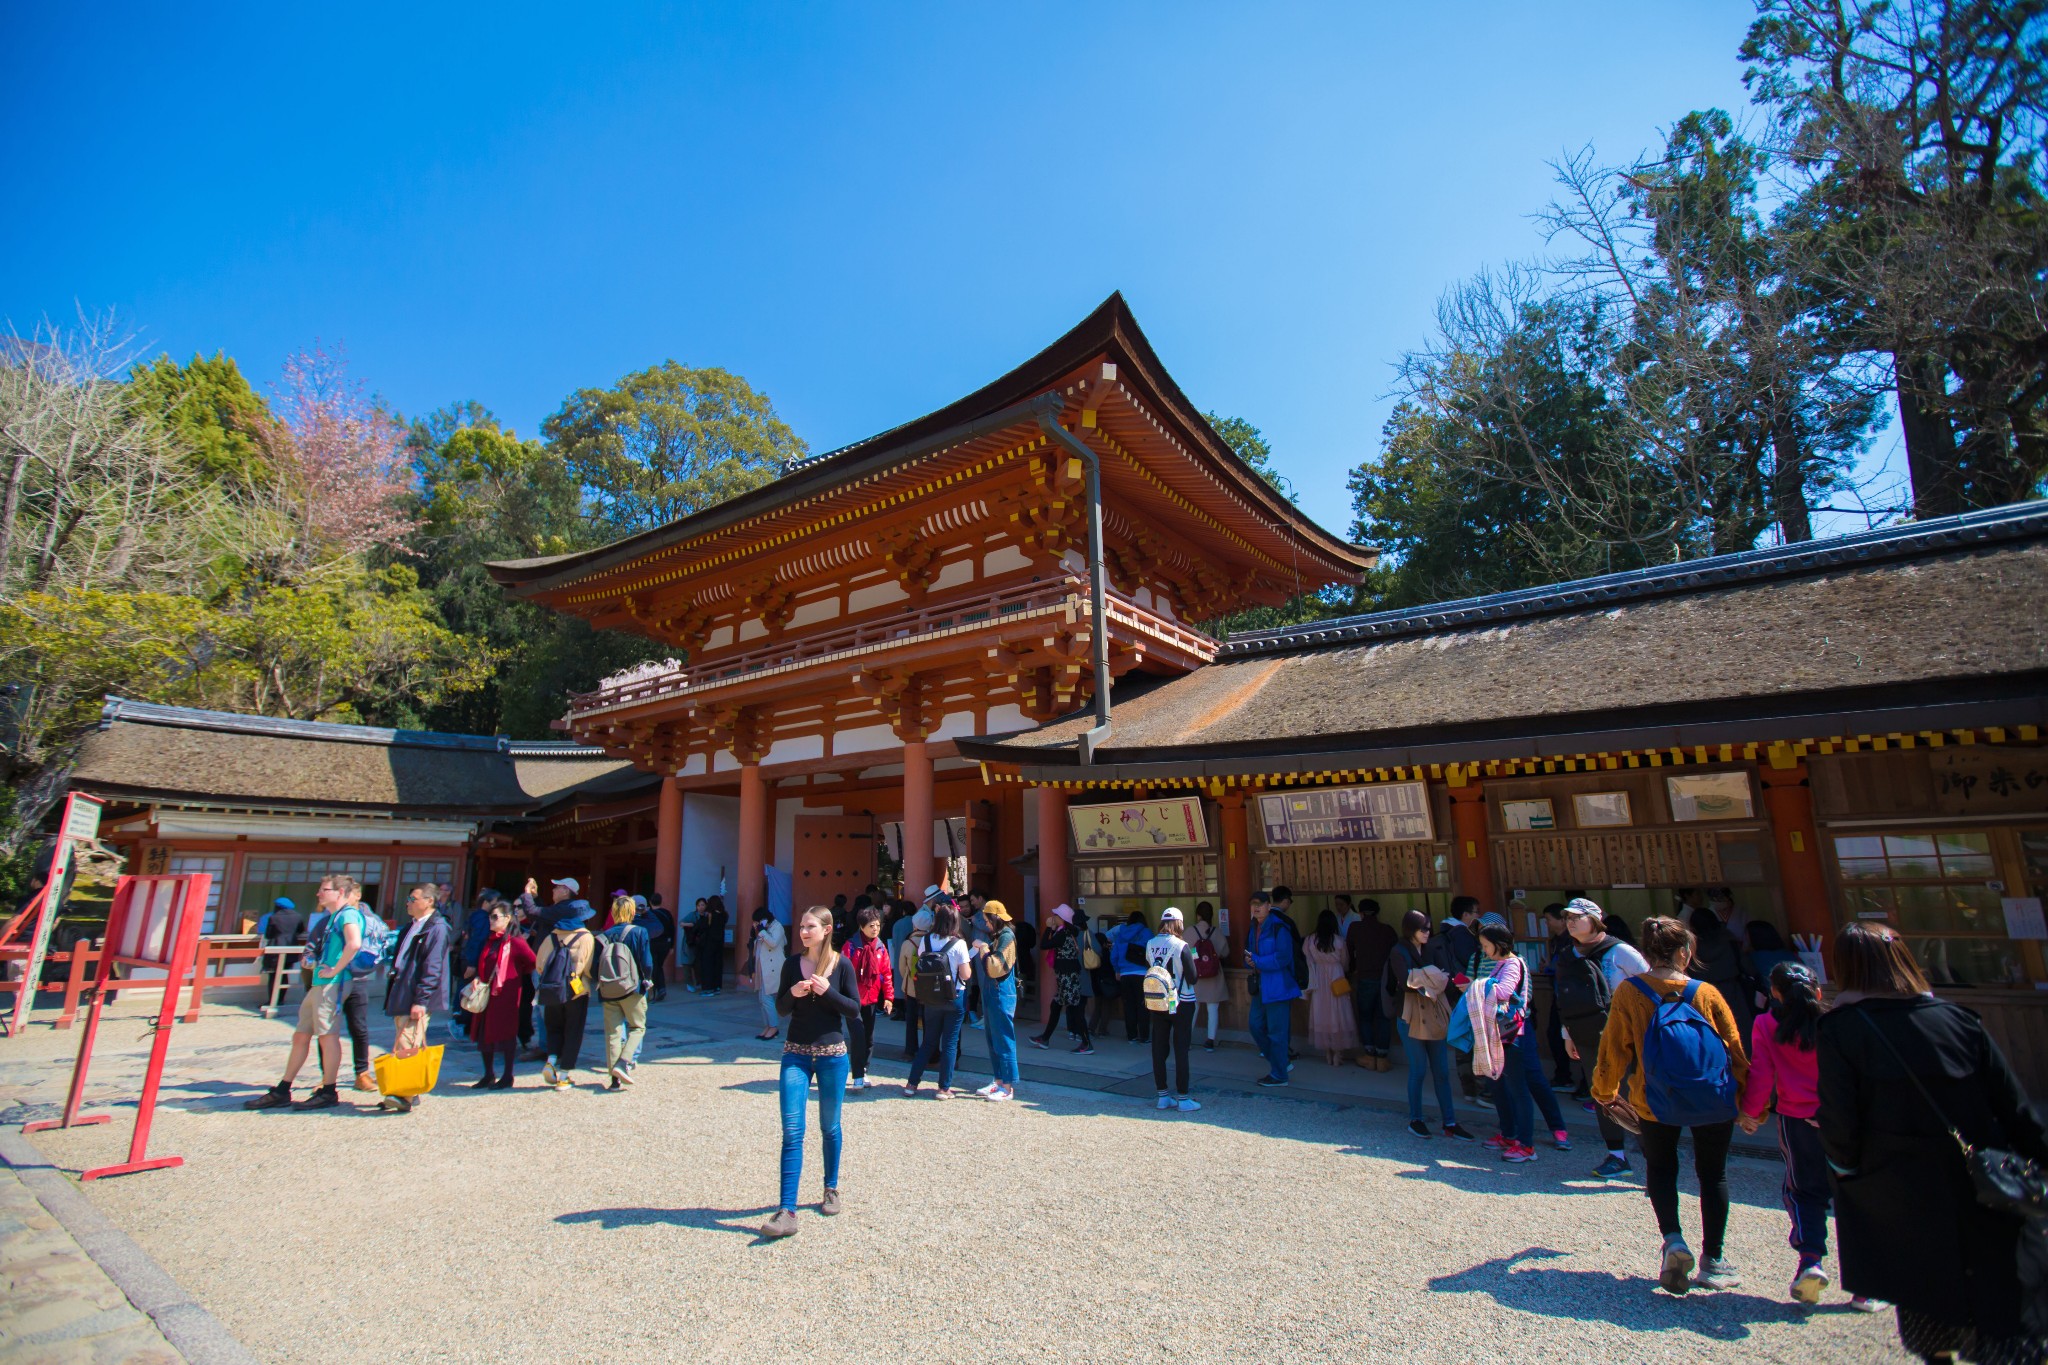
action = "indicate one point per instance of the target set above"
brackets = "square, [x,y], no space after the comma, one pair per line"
[561,982]
[341,938]
[1273,951]
[661,941]
[625,974]
[1582,995]
[283,927]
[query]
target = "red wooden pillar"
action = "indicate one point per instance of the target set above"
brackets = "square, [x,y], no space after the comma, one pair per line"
[750,881]
[1789,798]
[917,820]
[1473,845]
[1239,880]
[668,848]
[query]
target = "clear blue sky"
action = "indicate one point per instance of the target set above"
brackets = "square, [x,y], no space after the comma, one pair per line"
[865,209]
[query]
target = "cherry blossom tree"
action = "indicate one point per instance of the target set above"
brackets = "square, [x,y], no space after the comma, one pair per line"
[344,460]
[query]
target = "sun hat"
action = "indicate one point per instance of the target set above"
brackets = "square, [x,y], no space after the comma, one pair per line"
[921,922]
[1063,912]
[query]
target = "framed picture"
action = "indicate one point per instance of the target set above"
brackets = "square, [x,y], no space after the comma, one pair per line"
[1519,817]
[1601,810]
[1710,796]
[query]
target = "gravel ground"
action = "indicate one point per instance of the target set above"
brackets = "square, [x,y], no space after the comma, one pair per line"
[535,1226]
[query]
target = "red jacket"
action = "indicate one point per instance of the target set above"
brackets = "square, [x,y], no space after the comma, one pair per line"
[872,969]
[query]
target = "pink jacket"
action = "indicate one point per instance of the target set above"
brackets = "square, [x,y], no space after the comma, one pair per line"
[1790,1070]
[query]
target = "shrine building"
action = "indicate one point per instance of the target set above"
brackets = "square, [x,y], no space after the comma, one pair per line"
[839,630]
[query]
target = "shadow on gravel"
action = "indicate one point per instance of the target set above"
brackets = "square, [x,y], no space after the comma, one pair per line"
[1602,1296]
[709,1220]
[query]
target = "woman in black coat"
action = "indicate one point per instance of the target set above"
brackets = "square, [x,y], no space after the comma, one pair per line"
[1911,1229]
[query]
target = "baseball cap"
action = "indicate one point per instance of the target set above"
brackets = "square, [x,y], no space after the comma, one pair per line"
[283,903]
[1579,905]
[575,887]
[1170,913]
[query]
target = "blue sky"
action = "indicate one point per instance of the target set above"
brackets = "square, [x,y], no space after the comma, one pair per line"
[867,210]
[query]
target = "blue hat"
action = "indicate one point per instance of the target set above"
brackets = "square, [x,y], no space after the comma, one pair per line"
[283,903]
[569,914]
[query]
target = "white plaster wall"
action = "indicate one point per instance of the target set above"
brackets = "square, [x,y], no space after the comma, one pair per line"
[711,840]
[875,595]
[794,748]
[823,609]
[955,573]
[752,629]
[1005,719]
[724,762]
[692,766]
[1074,560]
[865,739]
[1004,560]
[957,723]
[718,639]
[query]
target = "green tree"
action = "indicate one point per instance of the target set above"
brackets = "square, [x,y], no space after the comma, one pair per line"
[669,441]
[223,424]
[1253,448]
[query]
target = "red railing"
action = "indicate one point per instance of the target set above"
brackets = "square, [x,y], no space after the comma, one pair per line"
[1066,591]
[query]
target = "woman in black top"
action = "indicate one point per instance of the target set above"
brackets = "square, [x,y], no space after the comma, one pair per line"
[1070,992]
[711,945]
[818,995]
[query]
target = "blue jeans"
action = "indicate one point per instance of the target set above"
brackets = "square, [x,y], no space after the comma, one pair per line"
[999,1023]
[1271,1023]
[1373,1024]
[1435,1055]
[941,1039]
[1511,1099]
[797,1072]
[1530,1046]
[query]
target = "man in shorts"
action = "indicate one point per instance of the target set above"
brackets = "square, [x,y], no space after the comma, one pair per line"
[320,1012]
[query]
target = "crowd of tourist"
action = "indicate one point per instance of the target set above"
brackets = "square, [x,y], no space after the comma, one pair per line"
[1885,1098]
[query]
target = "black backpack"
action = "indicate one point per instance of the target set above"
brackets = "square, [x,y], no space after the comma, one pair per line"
[1300,958]
[1580,990]
[936,984]
[552,986]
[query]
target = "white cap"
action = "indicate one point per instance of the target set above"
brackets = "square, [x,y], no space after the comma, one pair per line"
[570,882]
[1170,913]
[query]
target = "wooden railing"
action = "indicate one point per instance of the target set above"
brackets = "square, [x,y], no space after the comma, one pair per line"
[82,961]
[1024,599]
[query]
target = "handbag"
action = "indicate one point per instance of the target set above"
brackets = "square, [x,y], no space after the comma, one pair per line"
[2005,1181]
[1619,1112]
[1340,987]
[476,996]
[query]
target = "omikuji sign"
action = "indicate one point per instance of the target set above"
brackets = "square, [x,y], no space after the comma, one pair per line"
[1390,812]
[1132,825]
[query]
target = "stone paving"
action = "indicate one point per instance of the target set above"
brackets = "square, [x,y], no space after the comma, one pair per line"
[57,1307]
[1077,1223]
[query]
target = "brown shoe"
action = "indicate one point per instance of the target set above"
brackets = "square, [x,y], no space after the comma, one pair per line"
[366,1080]
[783,1224]
[829,1205]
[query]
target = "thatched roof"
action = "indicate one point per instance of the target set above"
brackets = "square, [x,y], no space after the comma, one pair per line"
[1942,613]
[146,752]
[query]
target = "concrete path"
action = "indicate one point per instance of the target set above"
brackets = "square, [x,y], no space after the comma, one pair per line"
[1080,1222]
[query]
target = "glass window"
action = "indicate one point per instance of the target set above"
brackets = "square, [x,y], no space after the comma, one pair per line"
[299,880]
[1935,888]
[216,864]
[425,871]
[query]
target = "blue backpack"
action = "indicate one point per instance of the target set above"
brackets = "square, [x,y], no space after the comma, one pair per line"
[1686,1075]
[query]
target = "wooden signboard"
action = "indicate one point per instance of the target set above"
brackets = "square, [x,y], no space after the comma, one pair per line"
[1139,826]
[1387,812]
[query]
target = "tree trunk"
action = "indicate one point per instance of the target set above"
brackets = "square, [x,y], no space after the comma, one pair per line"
[33,799]
[1788,483]
[17,474]
[1930,440]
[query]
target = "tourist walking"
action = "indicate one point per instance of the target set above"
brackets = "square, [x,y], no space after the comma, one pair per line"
[1127,951]
[1784,1074]
[503,963]
[1170,998]
[942,973]
[711,946]
[418,988]
[1269,951]
[1582,994]
[914,925]
[766,945]
[995,968]
[661,941]
[355,995]
[624,975]
[1332,1026]
[562,983]
[1367,942]
[1417,998]
[1674,1039]
[1905,1080]
[1497,1006]
[1065,943]
[819,995]
[1211,946]
[874,972]
[320,1011]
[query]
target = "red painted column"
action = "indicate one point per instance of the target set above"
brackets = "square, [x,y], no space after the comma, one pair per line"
[1472,843]
[1239,873]
[917,820]
[1055,875]
[1789,798]
[748,879]
[668,846]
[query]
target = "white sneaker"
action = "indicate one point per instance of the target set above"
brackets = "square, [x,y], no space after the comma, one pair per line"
[1676,1273]
[857,1083]
[1188,1106]
[998,1095]
[1808,1284]
[548,1074]
[1166,1101]
[989,1089]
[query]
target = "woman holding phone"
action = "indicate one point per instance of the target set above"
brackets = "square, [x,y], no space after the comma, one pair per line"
[818,995]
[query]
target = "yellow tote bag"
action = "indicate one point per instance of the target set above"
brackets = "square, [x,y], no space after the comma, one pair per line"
[408,1076]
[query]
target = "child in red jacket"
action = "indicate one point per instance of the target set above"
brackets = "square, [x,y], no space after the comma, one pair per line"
[877,977]
[1784,1065]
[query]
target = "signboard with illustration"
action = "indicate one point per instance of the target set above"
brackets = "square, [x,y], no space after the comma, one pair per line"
[1390,812]
[1133,826]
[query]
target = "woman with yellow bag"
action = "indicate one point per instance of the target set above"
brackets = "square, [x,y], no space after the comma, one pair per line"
[418,988]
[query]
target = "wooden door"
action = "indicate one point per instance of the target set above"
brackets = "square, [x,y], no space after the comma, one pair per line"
[835,856]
